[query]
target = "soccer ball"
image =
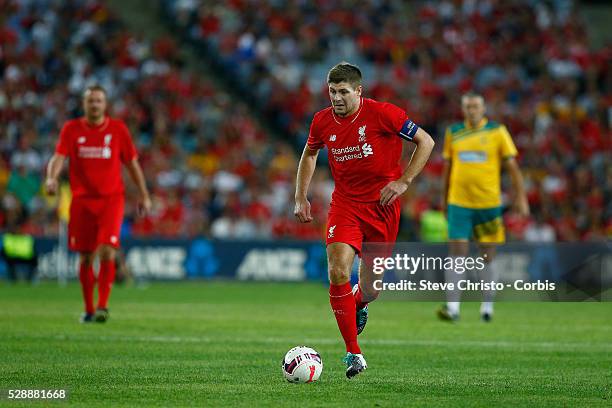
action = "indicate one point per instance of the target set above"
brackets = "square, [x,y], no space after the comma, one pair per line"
[302,365]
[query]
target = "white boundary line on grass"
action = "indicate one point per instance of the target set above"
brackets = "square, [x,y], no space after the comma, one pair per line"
[326,341]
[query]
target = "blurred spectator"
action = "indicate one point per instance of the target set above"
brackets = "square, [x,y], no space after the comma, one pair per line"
[540,231]
[23,184]
[544,262]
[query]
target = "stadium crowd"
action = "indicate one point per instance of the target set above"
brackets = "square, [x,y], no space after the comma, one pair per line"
[214,170]
[210,166]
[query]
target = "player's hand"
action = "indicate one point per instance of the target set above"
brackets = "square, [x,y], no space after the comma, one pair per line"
[144,206]
[302,210]
[392,191]
[522,206]
[51,186]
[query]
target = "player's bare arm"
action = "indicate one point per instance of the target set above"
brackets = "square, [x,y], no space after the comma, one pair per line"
[394,189]
[144,205]
[306,169]
[54,168]
[446,170]
[520,201]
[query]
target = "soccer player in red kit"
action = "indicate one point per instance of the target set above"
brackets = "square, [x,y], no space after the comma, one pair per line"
[364,142]
[96,146]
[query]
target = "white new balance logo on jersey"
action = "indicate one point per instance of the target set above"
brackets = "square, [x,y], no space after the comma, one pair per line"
[367,149]
[332,138]
[331,231]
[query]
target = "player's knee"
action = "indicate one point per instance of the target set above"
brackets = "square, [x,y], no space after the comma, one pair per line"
[107,253]
[86,259]
[339,275]
[488,252]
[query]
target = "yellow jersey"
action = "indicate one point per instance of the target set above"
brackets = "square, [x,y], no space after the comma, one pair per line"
[475,155]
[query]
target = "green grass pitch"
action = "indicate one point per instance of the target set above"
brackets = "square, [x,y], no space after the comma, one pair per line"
[221,344]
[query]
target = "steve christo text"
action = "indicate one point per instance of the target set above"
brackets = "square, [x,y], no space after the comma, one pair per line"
[463,285]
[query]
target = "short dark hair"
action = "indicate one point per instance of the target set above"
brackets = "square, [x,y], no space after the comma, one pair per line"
[95,87]
[345,72]
[472,94]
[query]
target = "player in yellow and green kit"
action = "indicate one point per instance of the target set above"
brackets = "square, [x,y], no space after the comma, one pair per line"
[474,152]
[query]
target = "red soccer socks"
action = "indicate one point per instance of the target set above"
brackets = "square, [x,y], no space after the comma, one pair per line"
[88,281]
[105,282]
[343,305]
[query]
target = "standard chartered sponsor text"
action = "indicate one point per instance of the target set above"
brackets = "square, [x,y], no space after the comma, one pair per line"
[340,154]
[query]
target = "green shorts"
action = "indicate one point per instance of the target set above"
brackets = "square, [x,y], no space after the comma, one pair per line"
[479,224]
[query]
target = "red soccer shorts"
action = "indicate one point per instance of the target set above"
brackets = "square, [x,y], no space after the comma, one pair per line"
[354,223]
[94,222]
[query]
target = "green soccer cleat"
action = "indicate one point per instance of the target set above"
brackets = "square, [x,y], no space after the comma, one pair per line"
[355,363]
[446,316]
[86,318]
[101,315]
[362,319]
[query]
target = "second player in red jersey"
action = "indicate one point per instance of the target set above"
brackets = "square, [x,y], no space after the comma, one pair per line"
[96,154]
[364,142]
[96,147]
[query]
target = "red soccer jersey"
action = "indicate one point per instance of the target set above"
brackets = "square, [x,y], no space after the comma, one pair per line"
[364,149]
[96,154]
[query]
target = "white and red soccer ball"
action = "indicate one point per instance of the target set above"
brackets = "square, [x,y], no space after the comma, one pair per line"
[302,365]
